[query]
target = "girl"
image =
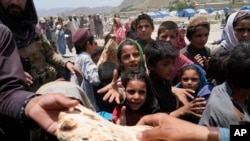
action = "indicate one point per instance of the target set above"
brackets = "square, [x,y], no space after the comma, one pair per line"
[139,98]
[192,76]
[181,43]
[235,31]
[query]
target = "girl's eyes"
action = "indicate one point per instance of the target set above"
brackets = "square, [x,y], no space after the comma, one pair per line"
[132,92]
[192,79]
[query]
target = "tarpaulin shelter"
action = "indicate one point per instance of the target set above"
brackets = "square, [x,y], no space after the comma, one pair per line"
[154,15]
[210,10]
[163,13]
[245,7]
[226,9]
[189,12]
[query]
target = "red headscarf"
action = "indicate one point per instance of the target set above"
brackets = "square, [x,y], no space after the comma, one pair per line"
[180,41]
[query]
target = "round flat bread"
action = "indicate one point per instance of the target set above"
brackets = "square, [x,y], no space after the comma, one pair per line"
[86,125]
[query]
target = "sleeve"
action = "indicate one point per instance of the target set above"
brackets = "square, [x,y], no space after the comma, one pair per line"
[116,113]
[53,58]
[91,73]
[224,134]
[13,88]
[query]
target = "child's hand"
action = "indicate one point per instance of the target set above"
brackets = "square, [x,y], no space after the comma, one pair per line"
[122,118]
[111,90]
[195,107]
[198,59]
[183,94]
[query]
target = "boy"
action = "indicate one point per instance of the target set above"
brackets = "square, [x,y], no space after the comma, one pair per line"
[160,58]
[168,31]
[144,27]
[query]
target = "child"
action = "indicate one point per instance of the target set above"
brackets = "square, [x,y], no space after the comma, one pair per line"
[197,33]
[85,46]
[139,98]
[181,43]
[192,76]
[168,31]
[160,57]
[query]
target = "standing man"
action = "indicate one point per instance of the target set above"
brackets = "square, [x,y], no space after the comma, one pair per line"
[40,62]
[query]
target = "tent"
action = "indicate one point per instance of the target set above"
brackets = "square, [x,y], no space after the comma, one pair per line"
[164,13]
[210,10]
[186,13]
[154,15]
[245,7]
[226,9]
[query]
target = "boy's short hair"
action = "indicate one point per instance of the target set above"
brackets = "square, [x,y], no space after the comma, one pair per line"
[238,66]
[158,50]
[144,17]
[168,25]
[105,71]
[197,22]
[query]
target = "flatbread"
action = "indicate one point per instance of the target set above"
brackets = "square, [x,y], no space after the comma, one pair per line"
[86,125]
[110,49]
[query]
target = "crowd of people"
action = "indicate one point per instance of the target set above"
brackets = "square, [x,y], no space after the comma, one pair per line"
[163,82]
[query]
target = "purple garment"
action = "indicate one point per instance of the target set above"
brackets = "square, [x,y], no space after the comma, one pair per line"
[13,88]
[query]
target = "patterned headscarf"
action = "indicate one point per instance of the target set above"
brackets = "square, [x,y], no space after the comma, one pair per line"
[181,43]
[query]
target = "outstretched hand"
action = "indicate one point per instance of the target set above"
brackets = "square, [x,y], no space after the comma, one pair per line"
[44,110]
[111,90]
[170,129]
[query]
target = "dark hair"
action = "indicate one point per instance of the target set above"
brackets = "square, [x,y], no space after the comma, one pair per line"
[158,50]
[238,66]
[193,29]
[131,42]
[137,74]
[196,68]
[82,47]
[144,17]
[167,25]
[105,71]
[217,67]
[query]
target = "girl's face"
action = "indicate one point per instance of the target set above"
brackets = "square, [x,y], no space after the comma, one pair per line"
[136,94]
[200,37]
[163,68]
[169,36]
[242,30]
[130,57]
[183,34]
[190,79]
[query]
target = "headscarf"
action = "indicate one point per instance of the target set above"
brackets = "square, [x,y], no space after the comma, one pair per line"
[180,41]
[230,40]
[142,60]
[119,32]
[202,75]
[22,29]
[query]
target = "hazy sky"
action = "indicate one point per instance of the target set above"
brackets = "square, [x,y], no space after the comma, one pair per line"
[49,4]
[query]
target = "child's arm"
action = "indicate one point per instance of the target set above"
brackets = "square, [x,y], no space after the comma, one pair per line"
[183,94]
[112,92]
[192,108]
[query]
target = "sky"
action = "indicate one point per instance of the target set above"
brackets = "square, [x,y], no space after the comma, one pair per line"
[50,4]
